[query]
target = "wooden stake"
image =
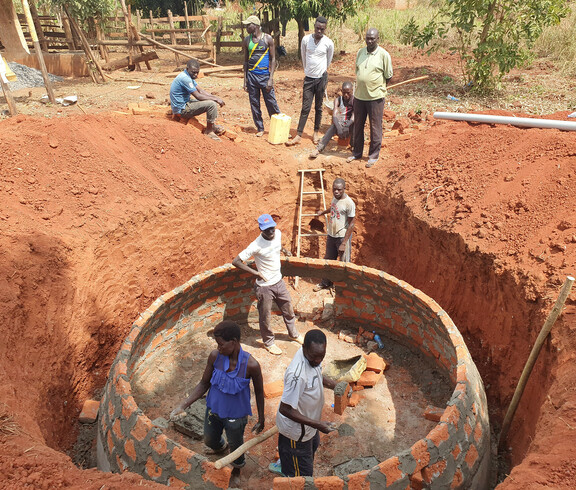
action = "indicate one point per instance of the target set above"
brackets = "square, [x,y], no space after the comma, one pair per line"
[128,31]
[187,22]
[172,35]
[86,47]
[244,447]
[176,50]
[9,99]
[552,316]
[38,49]
[411,80]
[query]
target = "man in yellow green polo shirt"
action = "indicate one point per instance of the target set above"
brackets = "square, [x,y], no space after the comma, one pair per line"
[373,71]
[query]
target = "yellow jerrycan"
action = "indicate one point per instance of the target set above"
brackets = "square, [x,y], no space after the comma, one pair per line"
[279,129]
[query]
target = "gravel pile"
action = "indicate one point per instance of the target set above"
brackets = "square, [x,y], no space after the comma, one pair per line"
[28,77]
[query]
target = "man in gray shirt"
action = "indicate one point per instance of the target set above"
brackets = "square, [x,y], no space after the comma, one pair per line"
[317,51]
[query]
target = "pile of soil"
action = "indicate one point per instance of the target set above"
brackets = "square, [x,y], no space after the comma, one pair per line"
[100,213]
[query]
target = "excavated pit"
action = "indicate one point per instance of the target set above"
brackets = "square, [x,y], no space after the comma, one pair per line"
[455,452]
[71,295]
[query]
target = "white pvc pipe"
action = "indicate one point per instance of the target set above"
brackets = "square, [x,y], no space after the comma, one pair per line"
[514,121]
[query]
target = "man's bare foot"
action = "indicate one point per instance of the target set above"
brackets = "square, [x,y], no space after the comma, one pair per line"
[294,141]
[212,135]
[316,138]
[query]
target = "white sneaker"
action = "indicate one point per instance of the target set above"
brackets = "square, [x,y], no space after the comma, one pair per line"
[299,339]
[273,349]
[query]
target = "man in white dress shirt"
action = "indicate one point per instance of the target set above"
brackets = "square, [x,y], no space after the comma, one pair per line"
[317,51]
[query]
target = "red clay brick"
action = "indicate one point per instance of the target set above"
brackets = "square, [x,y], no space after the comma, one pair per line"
[296,483]
[468,428]
[369,378]
[141,428]
[433,471]
[117,429]
[274,389]
[89,412]
[439,434]
[219,478]
[433,413]
[458,479]
[471,456]
[128,407]
[416,481]
[356,387]
[391,469]
[375,363]
[110,441]
[328,483]
[122,386]
[478,431]
[341,401]
[420,453]
[176,483]
[358,481]
[130,450]
[158,444]
[451,415]
[354,399]
[456,451]
[153,470]
[180,456]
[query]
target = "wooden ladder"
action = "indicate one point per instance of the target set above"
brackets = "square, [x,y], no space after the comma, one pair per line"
[301,203]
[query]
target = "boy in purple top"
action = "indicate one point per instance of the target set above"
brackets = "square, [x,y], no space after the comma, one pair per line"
[227,375]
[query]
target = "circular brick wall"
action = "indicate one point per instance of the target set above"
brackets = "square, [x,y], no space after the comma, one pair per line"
[455,454]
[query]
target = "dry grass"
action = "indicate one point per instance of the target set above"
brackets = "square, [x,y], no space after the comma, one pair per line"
[8,425]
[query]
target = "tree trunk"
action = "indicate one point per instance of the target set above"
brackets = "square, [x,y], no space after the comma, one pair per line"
[301,34]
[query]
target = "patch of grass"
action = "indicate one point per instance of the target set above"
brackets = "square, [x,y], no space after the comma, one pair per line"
[8,425]
[558,44]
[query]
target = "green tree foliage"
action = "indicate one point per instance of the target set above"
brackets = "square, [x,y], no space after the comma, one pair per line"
[492,36]
[301,10]
[85,10]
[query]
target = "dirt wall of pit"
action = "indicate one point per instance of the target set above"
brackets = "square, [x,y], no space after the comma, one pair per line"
[455,453]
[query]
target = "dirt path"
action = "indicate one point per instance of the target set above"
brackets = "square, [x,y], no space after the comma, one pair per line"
[102,212]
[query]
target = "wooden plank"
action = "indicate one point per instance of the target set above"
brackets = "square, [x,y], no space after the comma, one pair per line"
[124,62]
[172,37]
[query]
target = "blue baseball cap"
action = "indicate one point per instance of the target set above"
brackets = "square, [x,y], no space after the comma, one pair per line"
[265,221]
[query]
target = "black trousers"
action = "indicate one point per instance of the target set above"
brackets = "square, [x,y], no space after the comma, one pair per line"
[373,110]
[313,90]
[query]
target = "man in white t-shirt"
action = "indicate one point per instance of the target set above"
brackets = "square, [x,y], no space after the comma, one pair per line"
[341,220]
[300,410]
[317,51]
[269,284]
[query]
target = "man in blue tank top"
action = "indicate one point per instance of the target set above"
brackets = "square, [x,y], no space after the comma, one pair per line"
[227,375]
[259,66]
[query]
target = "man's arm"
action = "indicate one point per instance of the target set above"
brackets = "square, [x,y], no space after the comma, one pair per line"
[255,373]
[272,61]
[245,50]
[200,94]
[335,119]
[240,264]
[199,390]
[303,53]
[329,54]
[328,382]
[297,417]
[350,222]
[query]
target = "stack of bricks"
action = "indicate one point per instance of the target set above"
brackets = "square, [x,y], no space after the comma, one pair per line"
[455,454]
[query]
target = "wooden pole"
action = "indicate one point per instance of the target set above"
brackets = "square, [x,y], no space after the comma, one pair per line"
[86,46]
[152,25]
[552,316]
[244,447]
[9,99]
[68,31]
[39,55]
[172,35]
[187,22]
[38,25]
[411,80]
[128,31]
[176,51]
